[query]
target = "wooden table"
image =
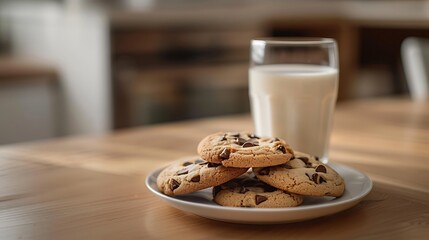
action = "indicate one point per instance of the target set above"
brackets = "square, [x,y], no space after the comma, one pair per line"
[93,187]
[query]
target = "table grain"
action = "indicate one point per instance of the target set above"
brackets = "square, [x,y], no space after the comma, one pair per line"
[92,187]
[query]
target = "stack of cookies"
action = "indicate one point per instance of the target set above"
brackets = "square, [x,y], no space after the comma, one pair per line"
[248,171]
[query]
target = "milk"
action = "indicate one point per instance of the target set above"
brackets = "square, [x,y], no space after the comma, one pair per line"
[296,103]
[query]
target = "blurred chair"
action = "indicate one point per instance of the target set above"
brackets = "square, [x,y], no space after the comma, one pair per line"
[415,59]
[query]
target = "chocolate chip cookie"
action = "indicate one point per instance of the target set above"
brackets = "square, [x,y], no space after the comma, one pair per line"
[191,174]
[247,191]
[244,150]
[303,175]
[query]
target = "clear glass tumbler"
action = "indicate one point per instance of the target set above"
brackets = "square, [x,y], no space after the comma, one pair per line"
[293,85]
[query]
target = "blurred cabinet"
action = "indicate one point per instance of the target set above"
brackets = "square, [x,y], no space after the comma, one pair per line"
[181,72]
[172,64]
[369,50]
[29,97]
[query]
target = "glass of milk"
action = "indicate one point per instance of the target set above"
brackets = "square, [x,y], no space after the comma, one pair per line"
[293,84]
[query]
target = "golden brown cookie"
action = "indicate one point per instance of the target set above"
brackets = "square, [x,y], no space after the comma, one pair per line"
[303,175]
[244,150]
[191,174]
[246,191]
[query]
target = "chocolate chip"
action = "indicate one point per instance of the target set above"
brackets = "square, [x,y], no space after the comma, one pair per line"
[225,154]
[186,164]
[268,188]
[248,144]
[287,166]
[249,182]
[174,184]
[318,179]
[182,171]
[317,158]
[195,178]
[239,141]
[223,138]
[260,199]
[210,165]
[252,136]
[243,189]
[274,140]
[321,168]
[304,159]
[199,161]
[231,185]
[264,171]
[314,177]
[282,149]
[235,134]
[264,186]
[216,190]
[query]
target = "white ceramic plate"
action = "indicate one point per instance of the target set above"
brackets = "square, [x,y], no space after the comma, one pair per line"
[358,185]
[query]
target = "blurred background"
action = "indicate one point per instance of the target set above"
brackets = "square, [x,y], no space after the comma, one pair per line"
[72,67]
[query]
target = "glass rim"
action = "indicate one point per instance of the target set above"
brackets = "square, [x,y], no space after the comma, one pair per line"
[293,41]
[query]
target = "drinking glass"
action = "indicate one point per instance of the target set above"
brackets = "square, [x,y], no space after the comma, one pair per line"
[293,85]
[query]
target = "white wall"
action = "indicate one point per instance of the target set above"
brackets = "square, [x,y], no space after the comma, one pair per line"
[75,38]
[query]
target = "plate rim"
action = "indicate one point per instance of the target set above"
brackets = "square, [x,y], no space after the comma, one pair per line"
[326,205]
